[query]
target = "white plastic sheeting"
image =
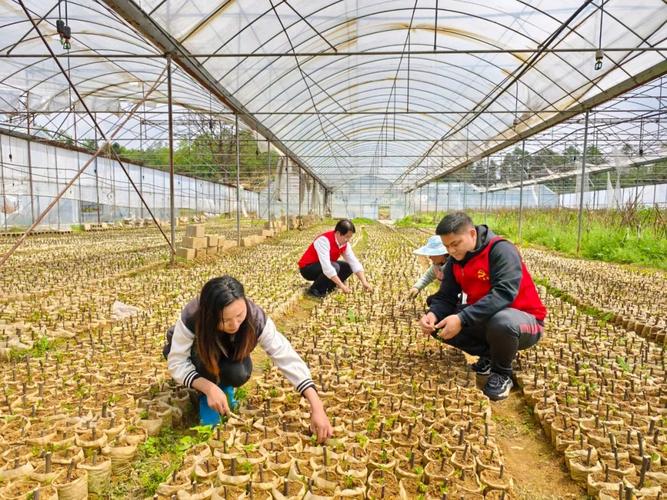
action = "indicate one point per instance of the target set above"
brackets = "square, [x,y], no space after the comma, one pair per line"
[643,196]
[102,187]
[449,196]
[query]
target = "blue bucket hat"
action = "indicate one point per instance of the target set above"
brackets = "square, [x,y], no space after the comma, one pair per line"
[432,248]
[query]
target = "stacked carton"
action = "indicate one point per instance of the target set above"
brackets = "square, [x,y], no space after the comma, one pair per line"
[226,244]
[252,240]
[197,243]
[276,225]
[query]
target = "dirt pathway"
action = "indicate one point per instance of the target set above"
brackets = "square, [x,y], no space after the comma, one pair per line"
[538,471]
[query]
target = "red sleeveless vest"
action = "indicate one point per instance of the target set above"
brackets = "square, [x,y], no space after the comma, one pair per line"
[310,255]
[475,280]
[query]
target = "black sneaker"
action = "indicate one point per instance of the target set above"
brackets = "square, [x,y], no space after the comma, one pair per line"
[498,386]
[482,366]
[314,292]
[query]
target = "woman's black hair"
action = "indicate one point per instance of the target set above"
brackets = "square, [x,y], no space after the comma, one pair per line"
[217,294]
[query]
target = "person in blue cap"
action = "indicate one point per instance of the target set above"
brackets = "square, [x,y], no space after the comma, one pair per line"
[437,253]
[208,349]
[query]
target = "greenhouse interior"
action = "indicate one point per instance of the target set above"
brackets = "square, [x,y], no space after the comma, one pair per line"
[187,187]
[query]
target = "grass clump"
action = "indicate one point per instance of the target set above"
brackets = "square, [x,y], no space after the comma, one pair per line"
[626,236]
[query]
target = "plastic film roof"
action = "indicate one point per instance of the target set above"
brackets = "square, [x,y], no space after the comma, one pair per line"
[400,90]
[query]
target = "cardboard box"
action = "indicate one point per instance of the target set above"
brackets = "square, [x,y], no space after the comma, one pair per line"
[196,243]
[195,231]
[212,241]
[185,253]
[200,252]
[211,250]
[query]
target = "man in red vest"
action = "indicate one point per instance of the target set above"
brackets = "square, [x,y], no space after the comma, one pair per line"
[320,263]
[503,314]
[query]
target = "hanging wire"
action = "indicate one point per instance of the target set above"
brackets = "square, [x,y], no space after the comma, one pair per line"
[599,54]
[63,28]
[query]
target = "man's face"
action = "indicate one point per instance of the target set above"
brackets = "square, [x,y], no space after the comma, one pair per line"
[344,238]
[458,244]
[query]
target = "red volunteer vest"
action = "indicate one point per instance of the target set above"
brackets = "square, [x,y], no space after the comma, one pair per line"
[310,255]
[475,280]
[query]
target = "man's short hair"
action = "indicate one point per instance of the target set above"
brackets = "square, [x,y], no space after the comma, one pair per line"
[454,223]
[344,226]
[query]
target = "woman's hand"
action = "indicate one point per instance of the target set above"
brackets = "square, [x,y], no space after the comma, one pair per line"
[319,422]
[320,425]
[217,400]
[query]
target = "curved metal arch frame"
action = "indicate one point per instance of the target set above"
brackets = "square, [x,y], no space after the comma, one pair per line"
[407,131]
[566,92]
[356,66]
[593,82]
[424,177]
[421,90]
[399,10]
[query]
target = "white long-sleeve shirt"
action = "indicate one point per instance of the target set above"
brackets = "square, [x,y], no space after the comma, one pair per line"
[274,343]
[322,247]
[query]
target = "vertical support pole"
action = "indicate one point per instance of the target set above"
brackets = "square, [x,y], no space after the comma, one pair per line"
[30,186]
[465,186]
[55,164]
[437,193]
[79,200]
[78,162]
[583,173]
[113,189]
[300,189]
[97,180]
[268,182]
[420,198]
[238,180]
[287,186]
[141,187]
[2,184]
[141,168]
[486,191]
[172,203]
[449,188]
[523,159]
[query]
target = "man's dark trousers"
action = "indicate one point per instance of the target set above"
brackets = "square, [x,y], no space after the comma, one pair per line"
[500,337]
[321,284]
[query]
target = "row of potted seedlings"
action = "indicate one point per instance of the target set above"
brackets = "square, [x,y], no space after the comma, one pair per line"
[631,298]
[599,392]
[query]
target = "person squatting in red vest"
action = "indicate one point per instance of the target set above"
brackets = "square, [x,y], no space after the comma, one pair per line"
[503,314]
[320,263]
